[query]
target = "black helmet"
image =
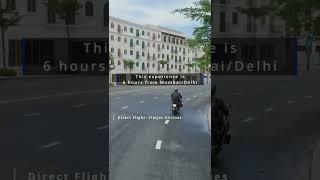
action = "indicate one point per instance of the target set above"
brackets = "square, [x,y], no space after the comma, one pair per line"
[176,89]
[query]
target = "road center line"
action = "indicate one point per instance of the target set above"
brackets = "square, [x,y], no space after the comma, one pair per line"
[102,127]
[158,144]
[188,99]
[141,102]
[156,97]
[126,107]
[249,119]
[50,145]
[78,105]
[268,109]
[291,102]
[194,96]
[31,114]
[166,122]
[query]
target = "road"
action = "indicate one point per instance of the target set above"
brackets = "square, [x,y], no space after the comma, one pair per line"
[275,126]
[53,125]
[168,148]
[62,124]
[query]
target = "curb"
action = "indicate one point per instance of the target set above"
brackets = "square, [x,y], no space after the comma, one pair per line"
[315,169]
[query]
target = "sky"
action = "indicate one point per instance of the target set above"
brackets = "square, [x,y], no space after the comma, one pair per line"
[155,12]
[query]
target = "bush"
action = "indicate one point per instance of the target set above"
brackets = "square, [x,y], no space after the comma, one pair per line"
[7,72]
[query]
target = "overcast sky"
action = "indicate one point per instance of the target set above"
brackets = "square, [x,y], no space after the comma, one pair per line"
[156,12]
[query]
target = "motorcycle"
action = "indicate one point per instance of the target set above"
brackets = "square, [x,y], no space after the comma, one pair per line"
[175,107]
[220,135]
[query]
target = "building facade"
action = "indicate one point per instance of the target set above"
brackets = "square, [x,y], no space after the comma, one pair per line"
[230,23]
[152,49]
[45,33]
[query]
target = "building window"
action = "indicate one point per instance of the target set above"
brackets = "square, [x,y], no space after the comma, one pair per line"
[163,56]
[131,42]
[131,53]
[142,33]
[162,46]
[168,47]
[175,66]
[125,28]
[112,50]
[165,39]
[153,37]
[143,44]
[89,8]
[154,56]
[31,5]
[142,54]
[171,66]
[137,55]
[153,45]
[119,29]
[11,4]
[142,67]
[153,65]
[137,64]
[131,30]
[125,40]
[158,36]
[125,52]
[119,52]
[137,33]
[119,63]
[112,37]
[234,18]
[112,25]
[51,16]
[158,55]
[222,22]
[119,39]
[137,42]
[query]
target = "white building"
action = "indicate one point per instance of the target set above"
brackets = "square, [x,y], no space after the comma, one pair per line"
[229,22]
[147,46]
[46,33]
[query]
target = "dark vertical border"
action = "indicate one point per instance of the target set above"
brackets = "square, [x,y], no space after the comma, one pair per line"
[106,24]
[212,83]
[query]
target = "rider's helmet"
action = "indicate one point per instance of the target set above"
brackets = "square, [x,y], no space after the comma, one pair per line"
[176,89]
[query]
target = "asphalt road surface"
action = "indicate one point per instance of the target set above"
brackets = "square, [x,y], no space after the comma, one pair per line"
[61,125]
[171,147]
[275,126]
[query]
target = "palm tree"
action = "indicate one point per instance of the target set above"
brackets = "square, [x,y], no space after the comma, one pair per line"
[190,66]
[111,66]
[66,10]
[8,18]
[129,64]
[163,62]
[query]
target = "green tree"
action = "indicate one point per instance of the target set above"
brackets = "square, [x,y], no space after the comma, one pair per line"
[8,18]
[191,66]
[163,62]
[66,10]
[201,13]
[129,64]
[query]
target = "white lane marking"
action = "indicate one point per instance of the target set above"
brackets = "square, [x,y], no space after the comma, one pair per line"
[141,102]
[291,102]
[268,109]
[78,105]
[102,127]
[167,122]
[156,97]
[50,145]
[126,107]
[31,114]
[308,97]
[118,97]
[188,99]
[249,119]
[194,96]
[158,144]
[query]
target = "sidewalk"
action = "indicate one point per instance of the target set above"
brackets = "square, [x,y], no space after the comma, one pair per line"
[315,170]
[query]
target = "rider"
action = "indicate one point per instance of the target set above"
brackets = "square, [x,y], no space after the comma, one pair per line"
[219,109]
[176,97]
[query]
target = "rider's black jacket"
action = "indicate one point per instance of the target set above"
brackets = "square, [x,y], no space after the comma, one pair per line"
[176,97]
[219,110]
